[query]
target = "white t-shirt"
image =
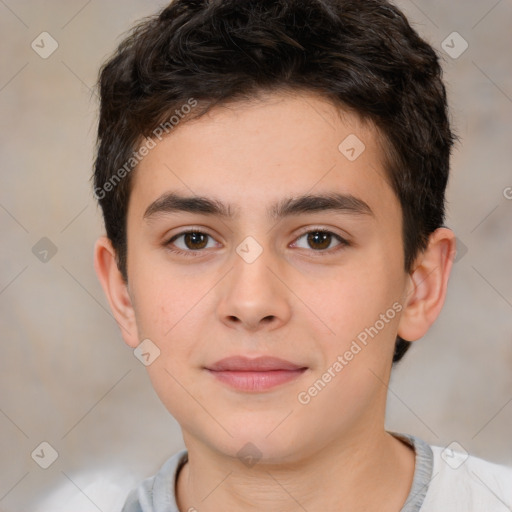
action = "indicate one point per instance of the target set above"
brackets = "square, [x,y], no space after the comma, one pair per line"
[445,480]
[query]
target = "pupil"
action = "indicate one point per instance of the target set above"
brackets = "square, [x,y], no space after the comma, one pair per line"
[192,237]
[319,237]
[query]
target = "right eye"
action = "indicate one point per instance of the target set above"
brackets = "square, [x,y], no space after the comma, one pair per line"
[193,242]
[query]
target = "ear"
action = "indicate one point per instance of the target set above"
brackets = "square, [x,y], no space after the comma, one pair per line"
[427,284]
[116,290]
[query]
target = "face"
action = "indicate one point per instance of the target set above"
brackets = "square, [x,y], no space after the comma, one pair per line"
[316,282]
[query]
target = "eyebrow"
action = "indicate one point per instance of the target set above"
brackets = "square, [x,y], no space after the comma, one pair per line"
[172,202]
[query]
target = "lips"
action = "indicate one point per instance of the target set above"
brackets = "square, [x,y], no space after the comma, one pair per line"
[259,364]
[255,375]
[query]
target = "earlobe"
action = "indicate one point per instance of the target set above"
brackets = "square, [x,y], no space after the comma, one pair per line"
[427,285]
[115,289]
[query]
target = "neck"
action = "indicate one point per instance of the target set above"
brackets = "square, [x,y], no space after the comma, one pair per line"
[369,472]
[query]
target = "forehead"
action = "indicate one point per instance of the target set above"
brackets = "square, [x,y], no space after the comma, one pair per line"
[250,154]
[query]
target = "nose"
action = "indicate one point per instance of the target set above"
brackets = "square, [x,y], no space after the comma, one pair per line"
[254,296]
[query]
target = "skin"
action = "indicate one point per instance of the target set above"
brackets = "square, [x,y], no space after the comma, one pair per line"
[294,302]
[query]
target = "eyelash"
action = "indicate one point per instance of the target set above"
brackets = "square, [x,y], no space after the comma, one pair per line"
[322,252]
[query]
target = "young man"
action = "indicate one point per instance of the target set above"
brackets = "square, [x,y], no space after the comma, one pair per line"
[272,178]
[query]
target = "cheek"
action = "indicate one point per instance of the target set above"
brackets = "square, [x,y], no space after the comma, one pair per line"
[171,312]
[171,387]
[161,303]
[348,298]
[361,303]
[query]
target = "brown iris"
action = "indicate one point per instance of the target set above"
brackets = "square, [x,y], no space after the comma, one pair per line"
[195,240]
[319,238]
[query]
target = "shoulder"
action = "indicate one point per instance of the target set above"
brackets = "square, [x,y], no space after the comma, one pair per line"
[465,482]
[156,493]
[105,486]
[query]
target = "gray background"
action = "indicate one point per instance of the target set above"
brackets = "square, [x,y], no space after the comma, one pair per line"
[66,376]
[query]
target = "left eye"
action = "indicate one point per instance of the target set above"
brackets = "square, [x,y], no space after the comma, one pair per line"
[321,240]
